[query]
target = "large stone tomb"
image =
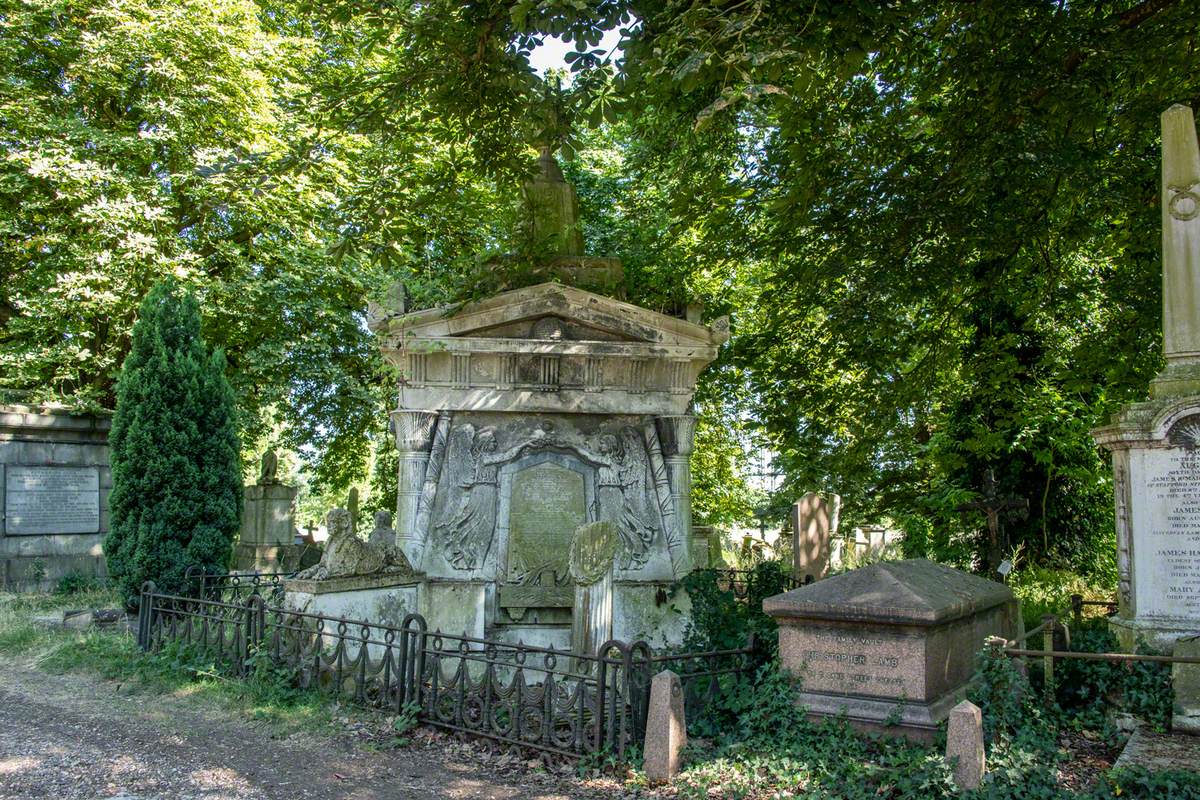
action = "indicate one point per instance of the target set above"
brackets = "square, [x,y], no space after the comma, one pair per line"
[891,641]
[54,486]
[531,415]
[1156,464]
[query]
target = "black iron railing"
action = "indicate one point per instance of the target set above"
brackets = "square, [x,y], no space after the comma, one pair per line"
[235,587]
[546,699]
[741,582]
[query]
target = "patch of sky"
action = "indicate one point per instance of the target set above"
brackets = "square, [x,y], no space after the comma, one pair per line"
[552,52]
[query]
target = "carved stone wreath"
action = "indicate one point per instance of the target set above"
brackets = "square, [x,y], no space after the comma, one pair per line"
[1184,204]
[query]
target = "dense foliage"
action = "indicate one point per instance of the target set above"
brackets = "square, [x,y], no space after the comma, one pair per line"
[176,500]
[933,223]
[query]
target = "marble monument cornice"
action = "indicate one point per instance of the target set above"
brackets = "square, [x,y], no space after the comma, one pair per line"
[397,347]
[607,314]
[1146,424]
[561,401]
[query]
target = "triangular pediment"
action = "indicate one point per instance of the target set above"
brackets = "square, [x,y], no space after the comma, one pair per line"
[553,312]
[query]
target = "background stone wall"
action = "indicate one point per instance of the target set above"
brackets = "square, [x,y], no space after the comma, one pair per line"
[52,520]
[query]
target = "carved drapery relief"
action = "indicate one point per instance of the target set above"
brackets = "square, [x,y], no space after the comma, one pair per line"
[474,464]
[621,493]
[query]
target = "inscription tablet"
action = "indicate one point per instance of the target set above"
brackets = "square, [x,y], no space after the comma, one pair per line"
[40,500]
[1169,573]
[860,662]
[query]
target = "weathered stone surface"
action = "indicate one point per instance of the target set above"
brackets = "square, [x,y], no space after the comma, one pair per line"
[1180,236]
[1158,752]
[54,487]
[810,537]
[593,549]
[525,415]
[964,745]
[1185,680]
[666,728]
[347,555]
[51,499]
[901,633]
[1156,466]
[384,535]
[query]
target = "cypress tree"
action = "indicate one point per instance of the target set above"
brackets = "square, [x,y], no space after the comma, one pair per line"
[176,461]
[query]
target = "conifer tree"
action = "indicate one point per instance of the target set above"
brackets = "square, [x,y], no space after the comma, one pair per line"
[176,464]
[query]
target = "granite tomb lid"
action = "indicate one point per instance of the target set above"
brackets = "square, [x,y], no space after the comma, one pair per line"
[912,592]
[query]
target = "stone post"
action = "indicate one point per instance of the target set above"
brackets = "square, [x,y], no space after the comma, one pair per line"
[677,434]
[964,745]
[666,731]
[414,437]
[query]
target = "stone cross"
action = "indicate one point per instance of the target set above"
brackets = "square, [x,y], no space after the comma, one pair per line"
[964,745]
[311,530]
[993,504]
[666,731]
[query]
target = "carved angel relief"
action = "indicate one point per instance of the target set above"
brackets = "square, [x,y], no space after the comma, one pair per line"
[467,527]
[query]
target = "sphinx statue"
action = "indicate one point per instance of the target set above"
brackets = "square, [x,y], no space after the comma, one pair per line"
[345,554]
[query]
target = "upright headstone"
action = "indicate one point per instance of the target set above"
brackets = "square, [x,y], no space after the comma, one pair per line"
[267,541]
[666,728]
[810,537]
[591,563]
[1156,463]
[964,745]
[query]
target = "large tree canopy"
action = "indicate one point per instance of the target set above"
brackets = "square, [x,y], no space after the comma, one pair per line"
[934,223]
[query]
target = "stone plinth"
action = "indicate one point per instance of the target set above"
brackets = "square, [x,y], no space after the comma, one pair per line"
[666,728]
[890,641]
[383,598]
[1156,487]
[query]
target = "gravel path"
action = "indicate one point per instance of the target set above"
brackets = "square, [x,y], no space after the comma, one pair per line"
[77,737]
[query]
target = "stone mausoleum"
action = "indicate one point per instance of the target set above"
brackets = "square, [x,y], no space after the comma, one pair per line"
[521,419]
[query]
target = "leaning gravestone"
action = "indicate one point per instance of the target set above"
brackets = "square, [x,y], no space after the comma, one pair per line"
[810,537]
[1154,444]
[891,641]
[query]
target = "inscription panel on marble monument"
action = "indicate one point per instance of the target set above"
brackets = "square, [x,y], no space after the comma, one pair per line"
[1168,551]
[860,662]
[548,502]
[40,500]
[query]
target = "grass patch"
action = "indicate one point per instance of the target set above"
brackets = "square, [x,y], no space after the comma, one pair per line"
[267,695]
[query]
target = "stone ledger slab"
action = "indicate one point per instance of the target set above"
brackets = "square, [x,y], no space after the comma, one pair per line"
[891,642]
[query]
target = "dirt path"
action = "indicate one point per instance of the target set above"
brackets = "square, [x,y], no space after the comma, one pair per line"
[76,736]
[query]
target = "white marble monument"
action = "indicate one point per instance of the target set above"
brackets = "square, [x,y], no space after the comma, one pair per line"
[1156,463]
